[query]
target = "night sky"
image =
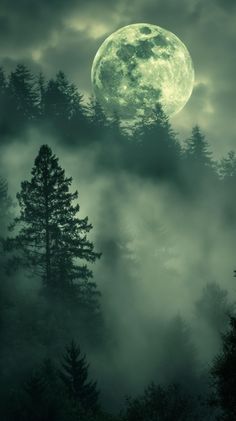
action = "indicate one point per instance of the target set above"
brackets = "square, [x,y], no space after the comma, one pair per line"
[181,242]
[60,34]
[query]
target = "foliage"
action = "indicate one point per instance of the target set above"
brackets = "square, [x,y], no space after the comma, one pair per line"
[51,238]
[74,375]
[223,374]
[161,404]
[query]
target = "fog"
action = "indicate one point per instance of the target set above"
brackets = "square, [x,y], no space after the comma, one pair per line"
[161,253]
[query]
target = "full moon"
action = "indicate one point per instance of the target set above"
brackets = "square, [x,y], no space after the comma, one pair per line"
[139,67]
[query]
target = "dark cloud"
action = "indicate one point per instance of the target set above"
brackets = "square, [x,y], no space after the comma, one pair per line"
[74,56]
[28,23]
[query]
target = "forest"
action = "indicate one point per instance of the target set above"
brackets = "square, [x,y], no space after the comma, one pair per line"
[117,286]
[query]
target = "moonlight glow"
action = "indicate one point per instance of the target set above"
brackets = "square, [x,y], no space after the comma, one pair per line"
[140,66]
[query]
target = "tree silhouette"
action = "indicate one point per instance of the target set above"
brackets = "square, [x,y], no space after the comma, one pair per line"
[223,374]
[180,356]
[214,307]
[22,95]
[5,204]
[3,103]
[62,107]
[227,167]
[197,164]
[74,374]
[197,150]
[154,150]
[97,119]
[51,238]
[3,82]
[161,404]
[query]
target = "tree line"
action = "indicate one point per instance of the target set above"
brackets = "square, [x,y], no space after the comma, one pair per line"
[149,148]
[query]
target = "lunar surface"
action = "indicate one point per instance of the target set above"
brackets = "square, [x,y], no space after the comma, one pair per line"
[139,67]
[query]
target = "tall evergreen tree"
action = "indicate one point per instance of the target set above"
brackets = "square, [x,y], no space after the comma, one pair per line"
[3,102]
[97,126]
[41,89]
[4,210]
[50,238]
[161,404]
[5,203]
[214,307]
[197,150]
[155,150]
[74,374]
[59,97]
[2,81]
[227,167]
[227,174]
[3,87]
[62,105]
[197,164]
[224,375]
[22,94]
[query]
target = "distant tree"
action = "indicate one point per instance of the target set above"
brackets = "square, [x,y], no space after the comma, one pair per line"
[161,404]
[227,166]
[154,150]
[3,88]
[22,96]
[3,102]
[214,307]
[52,394]
[227,175]
[197,149]
[63,109]
[40,397]
[98,119]
[3,82]
[50,238]
[5,204]
[35,389]
[59,98]
[223,374]
[41,90]
[179,356]
[81,392]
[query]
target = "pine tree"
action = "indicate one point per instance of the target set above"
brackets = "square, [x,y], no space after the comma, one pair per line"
[3,83]
[41,89]
[3,102]
[51,239]
[227,167]
[58,100]
[223,374]
[155,150]
[63,107]
[161,404]
[214,307]
[180,357]
[4,220]
[74,375]
[97,127]
[5,203]
[39,398]
[197,150]
[23,99]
